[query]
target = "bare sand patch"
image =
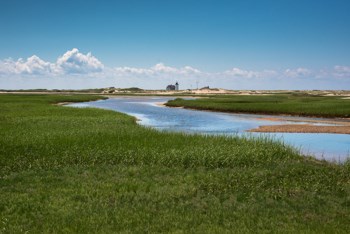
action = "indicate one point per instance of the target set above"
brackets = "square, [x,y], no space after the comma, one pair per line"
[62,103]
[162,104]
[274,119]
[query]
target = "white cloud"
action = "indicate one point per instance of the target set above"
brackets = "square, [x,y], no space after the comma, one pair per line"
[157,70]
[32,65]
[237,72]
[190,70]
[122,71]
[341,71]
[7,67]
[160,67]
[298,72]
[74,62]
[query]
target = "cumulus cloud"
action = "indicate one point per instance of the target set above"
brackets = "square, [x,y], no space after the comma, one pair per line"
[72,62]
[32,65]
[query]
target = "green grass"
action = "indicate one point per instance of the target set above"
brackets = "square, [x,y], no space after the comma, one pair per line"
[89,170]
[291,104]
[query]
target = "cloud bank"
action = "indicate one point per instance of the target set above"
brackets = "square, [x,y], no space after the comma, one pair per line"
[76,64]
[157,70]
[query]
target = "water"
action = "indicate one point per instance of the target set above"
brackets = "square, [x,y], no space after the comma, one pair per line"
[149,112]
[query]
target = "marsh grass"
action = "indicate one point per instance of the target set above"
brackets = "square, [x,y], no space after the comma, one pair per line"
[290,104]
[89,170]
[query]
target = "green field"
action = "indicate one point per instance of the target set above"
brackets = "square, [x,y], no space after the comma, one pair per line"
[290,104]
[66,169]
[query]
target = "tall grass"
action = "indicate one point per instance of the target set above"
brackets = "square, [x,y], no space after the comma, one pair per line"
[89,170]
[301,105]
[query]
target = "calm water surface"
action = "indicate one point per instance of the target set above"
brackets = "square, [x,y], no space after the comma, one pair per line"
[332,147]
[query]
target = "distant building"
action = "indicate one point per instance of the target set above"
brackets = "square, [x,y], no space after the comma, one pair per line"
[170,87]
[173,87]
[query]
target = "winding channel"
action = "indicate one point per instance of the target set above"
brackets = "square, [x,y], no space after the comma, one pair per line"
[150,112]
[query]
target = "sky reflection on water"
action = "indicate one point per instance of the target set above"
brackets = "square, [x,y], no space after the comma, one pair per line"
[332,147]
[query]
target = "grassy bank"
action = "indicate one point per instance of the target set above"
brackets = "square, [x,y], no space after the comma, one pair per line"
[89,170]
[300,105]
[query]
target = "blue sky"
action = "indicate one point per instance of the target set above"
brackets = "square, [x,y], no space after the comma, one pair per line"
[239,44]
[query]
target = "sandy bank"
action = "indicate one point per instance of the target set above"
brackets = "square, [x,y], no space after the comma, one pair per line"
[341,126]
[335,121]
[303,128]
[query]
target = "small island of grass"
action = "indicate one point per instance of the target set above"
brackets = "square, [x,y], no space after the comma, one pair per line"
[276,104]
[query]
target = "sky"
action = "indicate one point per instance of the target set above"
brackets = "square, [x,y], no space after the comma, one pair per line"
[236,44]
